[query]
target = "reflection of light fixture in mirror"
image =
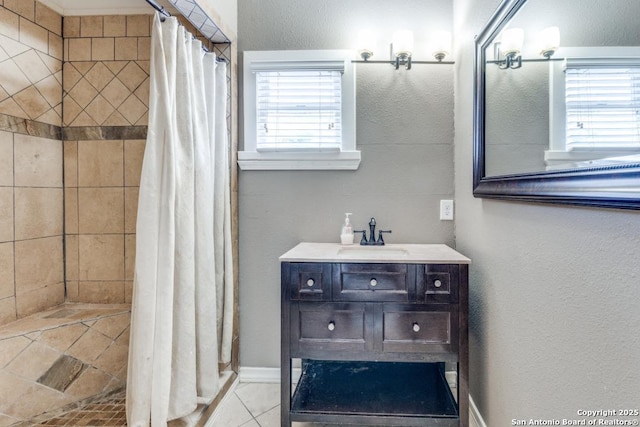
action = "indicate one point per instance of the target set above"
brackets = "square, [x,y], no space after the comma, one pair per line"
[402,48]
[441,45]
[549,41]
[510,46]
[366,43]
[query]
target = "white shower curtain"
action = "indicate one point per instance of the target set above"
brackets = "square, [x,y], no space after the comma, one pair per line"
[182,308]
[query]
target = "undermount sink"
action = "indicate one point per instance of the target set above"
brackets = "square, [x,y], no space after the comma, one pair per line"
[374,252]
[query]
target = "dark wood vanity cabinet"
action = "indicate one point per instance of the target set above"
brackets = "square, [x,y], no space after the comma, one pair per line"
[373,339]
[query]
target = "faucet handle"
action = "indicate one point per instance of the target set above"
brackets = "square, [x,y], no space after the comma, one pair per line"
[380,239]
[363,241]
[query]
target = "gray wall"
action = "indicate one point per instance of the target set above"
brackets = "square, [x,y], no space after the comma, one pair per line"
[405,133]
[555,291]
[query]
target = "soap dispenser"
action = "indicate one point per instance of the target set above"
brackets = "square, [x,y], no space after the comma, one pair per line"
[346,236]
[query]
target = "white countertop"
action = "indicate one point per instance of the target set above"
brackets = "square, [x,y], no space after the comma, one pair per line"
[389,253]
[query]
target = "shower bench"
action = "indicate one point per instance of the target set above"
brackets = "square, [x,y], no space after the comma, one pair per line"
[375,335]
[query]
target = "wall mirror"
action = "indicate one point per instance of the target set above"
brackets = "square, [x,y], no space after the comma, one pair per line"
[557,103]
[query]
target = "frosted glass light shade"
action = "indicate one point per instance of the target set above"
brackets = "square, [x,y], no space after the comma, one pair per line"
[549,40]
[512,40]
[403,43]
[441,46]
[366,43]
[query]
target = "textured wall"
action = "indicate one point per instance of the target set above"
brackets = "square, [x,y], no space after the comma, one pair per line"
[405,133]
[554,290]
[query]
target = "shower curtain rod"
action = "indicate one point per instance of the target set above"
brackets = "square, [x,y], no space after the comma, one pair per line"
[166,14]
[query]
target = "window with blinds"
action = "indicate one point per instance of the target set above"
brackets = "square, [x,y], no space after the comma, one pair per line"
[602,107]
[299,110]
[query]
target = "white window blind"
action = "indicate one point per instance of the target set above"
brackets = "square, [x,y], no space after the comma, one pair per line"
[602,107]
[299,110]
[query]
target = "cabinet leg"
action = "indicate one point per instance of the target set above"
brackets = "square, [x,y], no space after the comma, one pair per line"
[285,390]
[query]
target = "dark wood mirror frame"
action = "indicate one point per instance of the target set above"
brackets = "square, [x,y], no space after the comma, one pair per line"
[608,186]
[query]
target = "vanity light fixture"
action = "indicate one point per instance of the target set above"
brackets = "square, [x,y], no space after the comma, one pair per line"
[507,54]
[402,48]
[549,41]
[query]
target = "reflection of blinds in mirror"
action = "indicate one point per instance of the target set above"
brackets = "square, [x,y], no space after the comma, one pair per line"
[299,110]
[603,107]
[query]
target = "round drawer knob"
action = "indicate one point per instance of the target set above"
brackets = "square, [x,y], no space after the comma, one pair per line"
[416,327]
[311,282]
[437,283]
[373,282]
[331,326]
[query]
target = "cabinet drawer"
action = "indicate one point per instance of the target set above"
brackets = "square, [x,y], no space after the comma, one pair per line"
[374,282]
[438,283]
[419,328]
[330,326]
[310,281]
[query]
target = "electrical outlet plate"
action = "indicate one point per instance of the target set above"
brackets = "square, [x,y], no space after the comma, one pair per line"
[446,210]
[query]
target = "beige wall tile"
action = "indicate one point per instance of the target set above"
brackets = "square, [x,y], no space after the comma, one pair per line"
[6,214]
[115,26]
[70,163]
[101,292]
[7,310]
[9,24]
[99,76]
[101,210]
[101,257]
[79,50]
[71,211]
[34,35]
[6,271]
[38,161]
[32,102]
[71,257]
[102,49]
[38,212]
[144,48]
[91,26]
[72,291]
[128,292]
[115,92]
[48,19]
[139,25]
[6,158]
[55,46]
[132,109]
[24,8]
[129,256]
[99,109]
[100,163]
[126,48]
[38,263]
[133,156]
[130,209]
[40,299]
[71,26]
[50,89]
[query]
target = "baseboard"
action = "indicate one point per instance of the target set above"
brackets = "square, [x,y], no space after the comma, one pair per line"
[249,374]
[475,418]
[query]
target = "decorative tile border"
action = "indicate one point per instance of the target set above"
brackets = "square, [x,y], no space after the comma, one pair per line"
[29,127]
[94,133]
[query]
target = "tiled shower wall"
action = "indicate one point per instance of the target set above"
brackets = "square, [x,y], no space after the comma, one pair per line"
[105,91]
[31,189]
[106,96]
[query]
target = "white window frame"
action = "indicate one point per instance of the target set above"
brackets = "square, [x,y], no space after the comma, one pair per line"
[250,158]
[558,155]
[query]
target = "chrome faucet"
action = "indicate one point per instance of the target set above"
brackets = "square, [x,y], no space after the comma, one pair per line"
[372,235]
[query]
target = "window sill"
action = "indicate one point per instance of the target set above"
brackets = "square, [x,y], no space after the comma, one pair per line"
[344,160]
